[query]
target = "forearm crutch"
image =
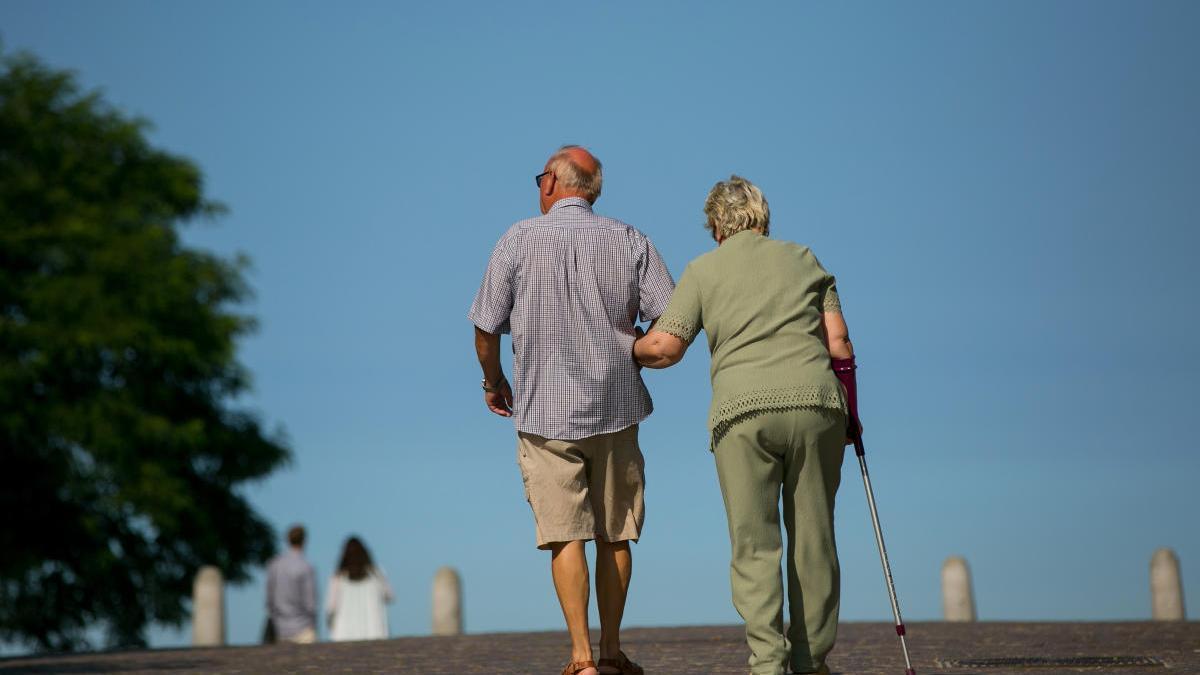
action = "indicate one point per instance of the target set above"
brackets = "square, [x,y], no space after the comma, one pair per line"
[883,556]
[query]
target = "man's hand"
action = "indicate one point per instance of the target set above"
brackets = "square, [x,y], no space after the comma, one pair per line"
[500,402]
[487,347]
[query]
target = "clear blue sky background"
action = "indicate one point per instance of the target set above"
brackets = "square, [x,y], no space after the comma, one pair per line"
[1007,192]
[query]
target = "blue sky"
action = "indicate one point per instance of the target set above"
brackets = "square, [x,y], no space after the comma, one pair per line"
[1007,193]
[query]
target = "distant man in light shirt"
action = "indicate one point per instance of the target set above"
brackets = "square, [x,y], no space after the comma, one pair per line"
[292,592]
[569,286]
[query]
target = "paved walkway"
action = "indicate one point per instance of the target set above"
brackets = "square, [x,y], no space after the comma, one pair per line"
[863,649]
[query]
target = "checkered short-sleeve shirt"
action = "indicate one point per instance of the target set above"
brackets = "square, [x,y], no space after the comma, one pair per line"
[569,287]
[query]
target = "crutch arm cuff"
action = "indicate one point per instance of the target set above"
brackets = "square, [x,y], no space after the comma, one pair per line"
[844,369]
[843,365]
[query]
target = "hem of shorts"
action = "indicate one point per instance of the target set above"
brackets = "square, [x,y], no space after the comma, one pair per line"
[545,545]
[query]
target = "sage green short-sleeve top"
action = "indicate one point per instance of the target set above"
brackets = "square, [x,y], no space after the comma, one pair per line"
[760,302]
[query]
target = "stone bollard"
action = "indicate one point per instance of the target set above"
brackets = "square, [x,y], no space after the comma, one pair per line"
[958,599]
[1166,586]
[447,602]
[208,608]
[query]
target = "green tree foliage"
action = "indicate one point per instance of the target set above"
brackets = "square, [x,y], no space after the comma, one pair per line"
[121,456]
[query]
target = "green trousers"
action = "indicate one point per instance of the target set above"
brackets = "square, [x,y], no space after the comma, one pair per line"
[798,454]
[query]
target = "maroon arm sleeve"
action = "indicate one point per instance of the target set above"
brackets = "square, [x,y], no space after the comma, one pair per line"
[844,370]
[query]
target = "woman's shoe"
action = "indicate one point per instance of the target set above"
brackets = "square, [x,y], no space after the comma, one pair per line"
[576,666]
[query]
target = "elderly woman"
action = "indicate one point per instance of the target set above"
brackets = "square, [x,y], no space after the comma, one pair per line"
[778,419]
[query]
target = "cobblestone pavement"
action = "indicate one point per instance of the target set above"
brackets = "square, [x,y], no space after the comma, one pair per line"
[863,649]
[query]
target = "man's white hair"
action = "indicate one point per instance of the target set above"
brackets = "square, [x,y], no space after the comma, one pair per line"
[735,205]
[567,172]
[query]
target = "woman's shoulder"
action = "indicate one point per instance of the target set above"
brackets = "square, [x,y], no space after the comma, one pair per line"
[705,262]
[764,251]
[792,247]
[791,252]
[718,260]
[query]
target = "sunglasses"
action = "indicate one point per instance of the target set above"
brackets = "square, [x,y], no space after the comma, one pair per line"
[538,178]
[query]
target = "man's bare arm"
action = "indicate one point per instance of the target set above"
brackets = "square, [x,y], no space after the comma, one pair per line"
[487,348]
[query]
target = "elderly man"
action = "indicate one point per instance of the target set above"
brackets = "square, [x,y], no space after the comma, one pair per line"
[569,286]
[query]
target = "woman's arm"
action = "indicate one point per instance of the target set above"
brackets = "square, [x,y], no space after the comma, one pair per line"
[837,335]
[388,596]
[841,356]
[658,349]
[331,599]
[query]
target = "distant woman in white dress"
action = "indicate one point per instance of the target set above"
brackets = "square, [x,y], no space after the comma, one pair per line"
[358,591]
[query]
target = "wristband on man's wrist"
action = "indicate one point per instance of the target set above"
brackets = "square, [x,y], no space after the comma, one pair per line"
[495,388]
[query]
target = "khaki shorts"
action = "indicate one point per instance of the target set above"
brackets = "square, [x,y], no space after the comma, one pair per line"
[585,489]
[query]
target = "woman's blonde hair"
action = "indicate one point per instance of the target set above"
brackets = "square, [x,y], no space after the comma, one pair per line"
[735,205]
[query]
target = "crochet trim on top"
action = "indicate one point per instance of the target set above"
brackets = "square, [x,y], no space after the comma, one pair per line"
[740,408]
[684,330]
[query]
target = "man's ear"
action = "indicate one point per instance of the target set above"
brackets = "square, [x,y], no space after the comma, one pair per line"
[548,184]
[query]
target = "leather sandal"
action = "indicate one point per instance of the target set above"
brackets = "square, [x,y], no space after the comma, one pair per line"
[623,665]
[576,666]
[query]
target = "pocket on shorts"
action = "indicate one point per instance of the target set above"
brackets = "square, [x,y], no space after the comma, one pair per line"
[522,455]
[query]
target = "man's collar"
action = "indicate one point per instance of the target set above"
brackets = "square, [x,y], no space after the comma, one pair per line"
[571,201]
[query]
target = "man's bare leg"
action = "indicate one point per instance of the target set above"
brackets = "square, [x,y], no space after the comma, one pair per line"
[568,564]
[614,567]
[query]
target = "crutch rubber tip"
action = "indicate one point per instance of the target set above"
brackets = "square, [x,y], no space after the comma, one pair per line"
[910,671]
[900,629]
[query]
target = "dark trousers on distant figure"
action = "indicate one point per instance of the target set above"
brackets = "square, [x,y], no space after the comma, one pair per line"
[796,454]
